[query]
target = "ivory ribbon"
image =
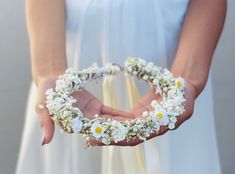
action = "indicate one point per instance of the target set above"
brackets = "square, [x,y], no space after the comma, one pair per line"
[125,160]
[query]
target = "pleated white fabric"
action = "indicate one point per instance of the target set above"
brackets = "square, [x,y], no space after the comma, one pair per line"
[108,31]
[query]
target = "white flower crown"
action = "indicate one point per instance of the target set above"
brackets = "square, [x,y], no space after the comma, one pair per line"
[164,113]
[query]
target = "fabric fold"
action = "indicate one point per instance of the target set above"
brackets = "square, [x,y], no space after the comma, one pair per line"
[130,159]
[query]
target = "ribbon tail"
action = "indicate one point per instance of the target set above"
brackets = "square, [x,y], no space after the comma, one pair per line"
[127,160]
[133,157]
[109,99]
[148,156]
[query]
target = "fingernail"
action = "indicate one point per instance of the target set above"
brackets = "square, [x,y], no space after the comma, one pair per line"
[43,141]
[43,138]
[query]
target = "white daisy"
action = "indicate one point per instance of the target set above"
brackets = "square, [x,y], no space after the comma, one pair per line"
[97,130]
[179,82]
[161,117]
[76,125]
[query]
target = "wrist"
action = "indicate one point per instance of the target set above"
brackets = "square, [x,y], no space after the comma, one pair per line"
[197,81]
[40,79]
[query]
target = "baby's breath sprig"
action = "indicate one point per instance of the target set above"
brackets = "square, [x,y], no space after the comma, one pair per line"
[70,119]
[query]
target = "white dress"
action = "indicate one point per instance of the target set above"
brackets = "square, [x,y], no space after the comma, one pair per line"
[109,31]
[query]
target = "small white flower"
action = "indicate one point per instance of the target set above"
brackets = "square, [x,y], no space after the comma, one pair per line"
[142,61]
[145,113]
[155,81]
[119,131]
[167,74]
[145,77]
[156,126]
[155,71]
[135,73]
[105,139]
[173,119]
[94,67]
[171,93]
[170,109]
[154,103]
[165,112]
[49,91]
[171,125]
[129,68]
[97,130]
[63,113]
[149,67]
[76,125]
[179,82]
[161,117]
[178,110]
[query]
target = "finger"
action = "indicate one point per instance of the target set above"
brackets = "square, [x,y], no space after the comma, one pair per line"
[46,124]
[181,119]
[119,118]
[140,108]
[48,129]
[131,142]
[163,130]
[95,143]
[189,107]
[106,110]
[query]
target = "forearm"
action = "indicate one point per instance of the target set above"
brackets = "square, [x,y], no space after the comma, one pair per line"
[202,27]
[46,30]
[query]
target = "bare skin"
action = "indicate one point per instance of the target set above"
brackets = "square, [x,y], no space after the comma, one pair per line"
[200,33]
[46,29]
[87,103]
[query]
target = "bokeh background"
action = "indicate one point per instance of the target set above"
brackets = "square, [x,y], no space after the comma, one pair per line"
[15,76]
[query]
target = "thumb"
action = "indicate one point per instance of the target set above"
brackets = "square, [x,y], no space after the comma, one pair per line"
[48,130]
[47,125]
[106,110]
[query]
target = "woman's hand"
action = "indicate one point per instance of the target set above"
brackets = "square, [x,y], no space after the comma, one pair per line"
[87,103]
[144,104]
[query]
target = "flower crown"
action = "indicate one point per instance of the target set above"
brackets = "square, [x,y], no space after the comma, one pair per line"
[60,102]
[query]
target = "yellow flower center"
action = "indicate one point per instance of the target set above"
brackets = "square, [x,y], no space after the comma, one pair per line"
[159,115]
[98,130]
[179,84]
